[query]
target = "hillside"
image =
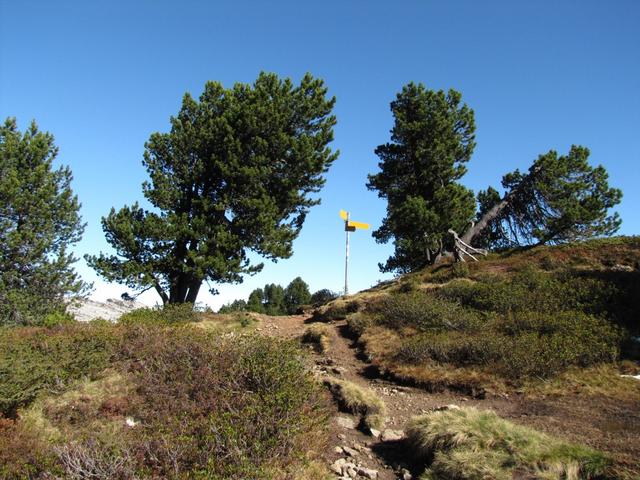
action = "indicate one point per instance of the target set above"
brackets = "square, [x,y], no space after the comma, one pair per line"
[518,366]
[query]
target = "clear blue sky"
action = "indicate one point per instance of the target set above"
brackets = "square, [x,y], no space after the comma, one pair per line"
[102,76]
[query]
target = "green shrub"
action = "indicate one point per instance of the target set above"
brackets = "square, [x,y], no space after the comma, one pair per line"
[425,312]
[169,314]
[460,270]
[358,322]
[465,443]
[36,359]
[517,346]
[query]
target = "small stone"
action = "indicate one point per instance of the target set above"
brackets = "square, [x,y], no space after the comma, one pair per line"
[342,436]
[352,472]
[368,473]
[338,450]
[130,422]
[392,435]
[346,422]
[335,469]
[340,461]
[374,433]
[406,474]
[350,451]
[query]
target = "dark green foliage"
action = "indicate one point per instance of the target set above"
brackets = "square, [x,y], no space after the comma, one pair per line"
[323,296]
[296,294]
[235,306]
[432,138]
[33,360]
[235,174]
[39,221]
[256,301]
[560,199]
[274,299]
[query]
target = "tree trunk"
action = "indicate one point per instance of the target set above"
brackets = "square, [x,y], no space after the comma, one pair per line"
[194,288]
[492,214]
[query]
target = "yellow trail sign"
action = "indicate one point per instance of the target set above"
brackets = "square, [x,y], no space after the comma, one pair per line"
[361,225]
[344,215]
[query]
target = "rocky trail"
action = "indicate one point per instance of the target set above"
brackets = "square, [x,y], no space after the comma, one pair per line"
[352,453]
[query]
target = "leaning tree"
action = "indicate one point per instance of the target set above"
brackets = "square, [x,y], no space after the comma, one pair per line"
[235,173]
[560,198]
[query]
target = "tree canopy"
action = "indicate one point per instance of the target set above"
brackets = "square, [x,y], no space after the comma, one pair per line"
[561,198]
[236,173]
[432,139]
[296,294]
[39,222]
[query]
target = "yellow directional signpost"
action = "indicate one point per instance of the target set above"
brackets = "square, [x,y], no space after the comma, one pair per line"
[349,226]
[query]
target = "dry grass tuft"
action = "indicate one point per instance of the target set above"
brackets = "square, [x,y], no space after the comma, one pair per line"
[359,401]
[465,443]
[319,336]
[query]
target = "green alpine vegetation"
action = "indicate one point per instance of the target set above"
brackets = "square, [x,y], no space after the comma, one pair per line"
[236,173]
[154,400]
[39,223]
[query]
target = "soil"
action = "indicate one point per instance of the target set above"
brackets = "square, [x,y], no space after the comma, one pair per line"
[600,422]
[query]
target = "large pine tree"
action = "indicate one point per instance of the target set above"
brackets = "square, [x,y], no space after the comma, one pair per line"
[233,175]
[432,138]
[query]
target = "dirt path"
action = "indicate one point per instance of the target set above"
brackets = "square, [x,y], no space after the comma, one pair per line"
[385,454]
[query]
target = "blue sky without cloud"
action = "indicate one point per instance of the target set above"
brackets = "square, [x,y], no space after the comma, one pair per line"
[540,75]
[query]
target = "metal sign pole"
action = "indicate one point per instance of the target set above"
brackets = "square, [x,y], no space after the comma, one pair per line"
[346,257]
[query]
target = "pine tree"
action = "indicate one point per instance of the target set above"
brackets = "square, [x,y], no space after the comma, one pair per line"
[39,222]
[431,140]
[561,198]
[234,175]
[295,295]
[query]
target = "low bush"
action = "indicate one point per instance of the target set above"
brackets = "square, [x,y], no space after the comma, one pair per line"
[169,314]
[337,310]
[224,408]
[465,443]
[424,311]
[23,454]
[36,359]
[521,345]
[359,401]
[358,322]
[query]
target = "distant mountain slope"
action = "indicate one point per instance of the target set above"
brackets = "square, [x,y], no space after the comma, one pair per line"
[111,310]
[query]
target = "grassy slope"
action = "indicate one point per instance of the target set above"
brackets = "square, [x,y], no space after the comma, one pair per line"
[550,306]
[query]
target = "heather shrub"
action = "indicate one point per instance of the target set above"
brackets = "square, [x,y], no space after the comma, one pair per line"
[169,314]
[528,344]
[23,454]
[36,359]
[424,312]
[220,407]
